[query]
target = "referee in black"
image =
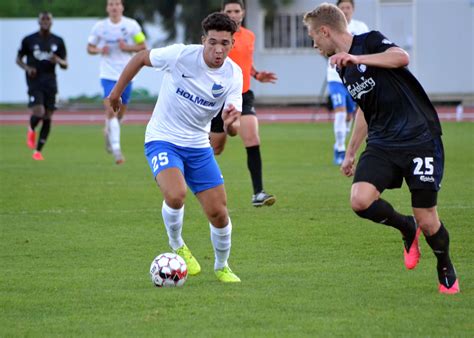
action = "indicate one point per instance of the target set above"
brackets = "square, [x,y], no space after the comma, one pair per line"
[403,136]
[43,50]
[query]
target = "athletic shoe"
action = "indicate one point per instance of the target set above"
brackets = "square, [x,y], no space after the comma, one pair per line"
[448,282]
[31,139]
[193,266]
[119,159]
[449,291]
[37,156]
[262,198]
[411,250]
[226,275]
[339,157]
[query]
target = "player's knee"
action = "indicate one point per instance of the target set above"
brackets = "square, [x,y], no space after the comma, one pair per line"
[38,111]
[360,203]
[175,199]
[218,216]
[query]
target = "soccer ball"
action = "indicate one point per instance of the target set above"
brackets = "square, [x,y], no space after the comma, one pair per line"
[168,270]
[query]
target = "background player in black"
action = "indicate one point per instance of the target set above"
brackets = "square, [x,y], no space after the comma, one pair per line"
[403,135]
[43,50]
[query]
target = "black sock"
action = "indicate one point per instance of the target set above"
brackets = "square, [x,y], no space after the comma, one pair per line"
[382,212]
[254,163]
[45,128]
[34,120]
[439,243]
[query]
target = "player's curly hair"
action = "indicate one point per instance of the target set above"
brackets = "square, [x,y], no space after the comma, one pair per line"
[219,22]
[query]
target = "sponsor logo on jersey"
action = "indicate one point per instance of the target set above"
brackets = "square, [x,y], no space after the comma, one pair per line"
[217,90]
[40,55]
[358,89]
[194,98]
[427,178]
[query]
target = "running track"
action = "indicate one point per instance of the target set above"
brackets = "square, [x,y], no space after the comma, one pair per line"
[265,115]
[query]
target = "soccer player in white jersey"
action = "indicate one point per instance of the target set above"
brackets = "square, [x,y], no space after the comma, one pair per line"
[342,103]
[116,39]
[199,80]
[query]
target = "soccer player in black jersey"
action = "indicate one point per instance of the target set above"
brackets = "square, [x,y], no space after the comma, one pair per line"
[403,135]
[43,51]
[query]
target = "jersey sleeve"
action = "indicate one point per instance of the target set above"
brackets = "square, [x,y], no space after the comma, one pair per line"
[235,93]
[165,58]
[94,37]
[23,48]
[378,43]
[61,52]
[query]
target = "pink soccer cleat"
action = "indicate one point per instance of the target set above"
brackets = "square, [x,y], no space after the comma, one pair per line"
[37,156]
[449,291]
[412,255]
[31,139]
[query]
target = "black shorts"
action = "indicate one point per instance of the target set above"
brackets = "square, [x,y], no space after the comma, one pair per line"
[44,96]
[422,168]
[248,99]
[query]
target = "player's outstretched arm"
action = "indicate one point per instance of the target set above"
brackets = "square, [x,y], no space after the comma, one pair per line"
[358,136]
[263,76]
[131,69]
[231,118]
[131,48]
[394,57]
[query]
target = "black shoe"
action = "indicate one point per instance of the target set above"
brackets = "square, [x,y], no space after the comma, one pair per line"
[262,198]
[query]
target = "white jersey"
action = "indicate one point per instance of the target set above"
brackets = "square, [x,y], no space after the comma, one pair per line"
[191,94]
[355,27]
[105,32]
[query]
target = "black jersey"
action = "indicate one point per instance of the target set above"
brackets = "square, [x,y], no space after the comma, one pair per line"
[397,110]
[39,50]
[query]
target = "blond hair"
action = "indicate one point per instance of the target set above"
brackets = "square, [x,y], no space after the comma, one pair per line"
[326,15]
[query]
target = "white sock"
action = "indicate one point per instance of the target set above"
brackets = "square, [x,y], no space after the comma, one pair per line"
[349,125]
[173,219]
[114,133]
[221,241]
[340,131]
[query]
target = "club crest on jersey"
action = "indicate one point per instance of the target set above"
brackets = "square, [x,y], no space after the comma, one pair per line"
[362,68]
[217,90]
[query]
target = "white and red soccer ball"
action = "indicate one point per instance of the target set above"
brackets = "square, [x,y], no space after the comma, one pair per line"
[168,270]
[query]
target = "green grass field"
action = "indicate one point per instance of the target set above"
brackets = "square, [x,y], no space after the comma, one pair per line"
[78,234]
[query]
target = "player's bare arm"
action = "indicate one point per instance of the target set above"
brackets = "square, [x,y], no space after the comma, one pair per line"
[231,118]
[263,76]
[61,62]
[131,48]
[358,136]
[31,71]
[131,69]
[394,57]
[93,49]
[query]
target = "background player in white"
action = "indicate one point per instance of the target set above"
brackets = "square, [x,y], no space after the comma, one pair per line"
[115,39]
[198,81]
[342,103]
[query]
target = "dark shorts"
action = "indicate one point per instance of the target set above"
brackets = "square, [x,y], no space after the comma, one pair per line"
[43,96]
[248,100]
[422,168]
